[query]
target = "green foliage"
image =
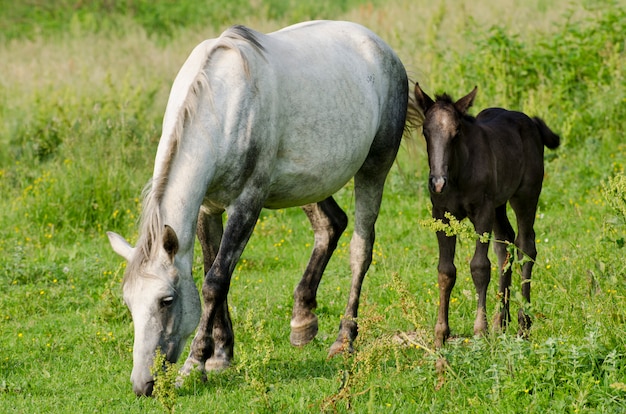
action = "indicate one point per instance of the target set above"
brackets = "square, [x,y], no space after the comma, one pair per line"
[165,376]
[577,72]
[161,18]
[615,194]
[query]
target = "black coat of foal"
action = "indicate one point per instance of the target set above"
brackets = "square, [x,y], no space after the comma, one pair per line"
[477,165]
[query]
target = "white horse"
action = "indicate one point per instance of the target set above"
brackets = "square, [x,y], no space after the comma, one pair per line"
[253,120]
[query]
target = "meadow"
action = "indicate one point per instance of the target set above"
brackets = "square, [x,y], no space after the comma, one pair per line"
[82,93]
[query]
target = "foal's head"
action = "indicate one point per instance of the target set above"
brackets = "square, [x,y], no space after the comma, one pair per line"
[442,126]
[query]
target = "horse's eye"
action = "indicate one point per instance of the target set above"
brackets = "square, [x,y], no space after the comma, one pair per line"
[166,302]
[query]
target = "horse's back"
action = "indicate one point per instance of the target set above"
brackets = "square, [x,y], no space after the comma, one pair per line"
[340,92]
[294,113]
[517,146]
[511,128]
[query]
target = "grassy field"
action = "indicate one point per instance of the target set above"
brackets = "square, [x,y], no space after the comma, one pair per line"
[82,93]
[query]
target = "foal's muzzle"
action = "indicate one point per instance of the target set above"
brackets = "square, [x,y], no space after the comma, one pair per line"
[436,184]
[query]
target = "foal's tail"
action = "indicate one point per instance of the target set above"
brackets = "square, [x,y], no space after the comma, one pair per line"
[549,138]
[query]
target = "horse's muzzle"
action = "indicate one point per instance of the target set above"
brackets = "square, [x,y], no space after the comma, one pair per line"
[144,390]
[436,184]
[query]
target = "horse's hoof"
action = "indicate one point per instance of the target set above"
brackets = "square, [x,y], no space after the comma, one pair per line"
[189,366]
[442,333]
[339,347]
[302,334]
[216,364]
[525,323]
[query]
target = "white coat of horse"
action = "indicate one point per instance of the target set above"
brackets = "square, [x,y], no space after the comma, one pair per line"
[253,120]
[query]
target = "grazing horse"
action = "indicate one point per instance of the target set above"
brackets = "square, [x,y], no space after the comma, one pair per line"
[260,121]
[477,165]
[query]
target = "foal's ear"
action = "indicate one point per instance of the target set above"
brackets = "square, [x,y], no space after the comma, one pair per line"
[463,104]
[423,101]
[170,242]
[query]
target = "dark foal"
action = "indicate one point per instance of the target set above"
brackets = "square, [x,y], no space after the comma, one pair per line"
[477,165]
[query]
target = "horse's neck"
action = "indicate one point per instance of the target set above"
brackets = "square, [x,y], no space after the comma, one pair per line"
[188,176]
[460,155]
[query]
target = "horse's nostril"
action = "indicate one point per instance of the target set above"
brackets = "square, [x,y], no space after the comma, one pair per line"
[146,390]
[437,184]
[149,388]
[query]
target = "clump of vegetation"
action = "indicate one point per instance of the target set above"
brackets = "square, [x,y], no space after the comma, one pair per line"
[615,194]
[165,376]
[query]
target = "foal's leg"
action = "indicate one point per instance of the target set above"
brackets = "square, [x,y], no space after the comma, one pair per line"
[480,266]
[504,235]
[446,278]
[525,209]
[242,218]
[368,189]
[328,221]
[210,232]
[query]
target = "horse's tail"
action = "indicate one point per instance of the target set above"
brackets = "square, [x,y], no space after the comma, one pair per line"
[549,138]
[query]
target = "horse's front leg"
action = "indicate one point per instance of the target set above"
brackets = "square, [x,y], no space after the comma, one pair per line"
[241,221]
[480,267]
[446,278]
[210,231]
[368,190]
[328,221]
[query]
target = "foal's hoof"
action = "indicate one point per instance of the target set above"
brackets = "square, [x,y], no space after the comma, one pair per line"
[524,322]
[500,322]
[303,333]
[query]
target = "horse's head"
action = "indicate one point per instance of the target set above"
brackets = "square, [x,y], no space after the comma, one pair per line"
[163,301]
[442,126]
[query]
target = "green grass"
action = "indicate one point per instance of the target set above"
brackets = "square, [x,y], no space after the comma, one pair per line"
[82,100]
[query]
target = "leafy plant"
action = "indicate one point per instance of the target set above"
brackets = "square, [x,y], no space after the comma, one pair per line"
[165,377]
[615,194]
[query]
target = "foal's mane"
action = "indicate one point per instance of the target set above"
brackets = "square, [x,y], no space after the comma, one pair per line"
[445,100]
[151,225]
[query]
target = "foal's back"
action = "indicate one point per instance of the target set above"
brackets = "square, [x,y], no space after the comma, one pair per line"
[516,142]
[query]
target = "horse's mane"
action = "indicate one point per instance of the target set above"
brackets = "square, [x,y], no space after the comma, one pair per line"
[150,222]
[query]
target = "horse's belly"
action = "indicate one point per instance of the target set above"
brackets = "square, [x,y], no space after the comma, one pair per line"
[307,184]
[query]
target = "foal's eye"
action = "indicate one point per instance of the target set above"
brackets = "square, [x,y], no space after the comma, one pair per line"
[166,302]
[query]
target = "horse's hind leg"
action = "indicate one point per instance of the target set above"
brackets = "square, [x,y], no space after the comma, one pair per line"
[504,235]
[368,188]
[209,232]
[525,209]
[328,221]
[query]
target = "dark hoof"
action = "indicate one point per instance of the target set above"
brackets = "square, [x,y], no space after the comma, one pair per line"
[501,321]
[302,334]
[524,322]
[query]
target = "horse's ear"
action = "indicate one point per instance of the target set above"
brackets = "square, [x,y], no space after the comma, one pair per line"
[423,101]
[170,242]
[120,245]
[463,104]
